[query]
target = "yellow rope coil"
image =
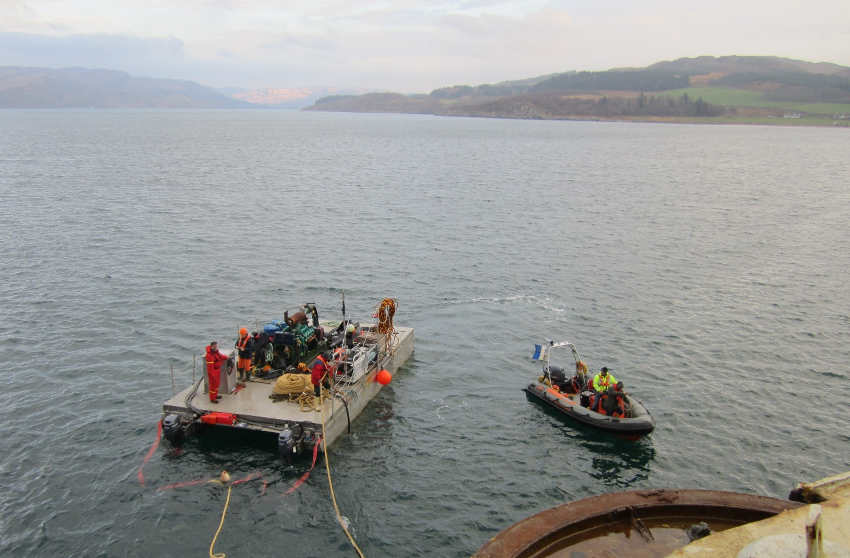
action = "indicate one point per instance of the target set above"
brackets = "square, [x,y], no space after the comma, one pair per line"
[289,384]
[224,511]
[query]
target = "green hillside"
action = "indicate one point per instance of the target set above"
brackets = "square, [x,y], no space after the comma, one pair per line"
[740,98]
[731,89]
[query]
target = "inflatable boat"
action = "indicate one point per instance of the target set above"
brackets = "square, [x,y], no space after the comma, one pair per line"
[572,398]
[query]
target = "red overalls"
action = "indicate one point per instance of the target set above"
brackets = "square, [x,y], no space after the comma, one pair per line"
[319,370]
[214,360]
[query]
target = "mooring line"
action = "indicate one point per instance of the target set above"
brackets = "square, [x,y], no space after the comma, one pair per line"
[331,485]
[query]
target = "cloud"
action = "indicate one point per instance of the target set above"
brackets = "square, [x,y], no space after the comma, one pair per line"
[136,55]
[85,47]
[291,42]
[406,45]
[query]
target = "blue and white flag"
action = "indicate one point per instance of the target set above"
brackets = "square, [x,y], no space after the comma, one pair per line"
[540,352]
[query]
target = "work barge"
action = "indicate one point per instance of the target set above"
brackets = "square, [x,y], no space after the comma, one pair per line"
[365,357]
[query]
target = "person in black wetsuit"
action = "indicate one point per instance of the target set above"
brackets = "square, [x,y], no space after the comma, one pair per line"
[614,400]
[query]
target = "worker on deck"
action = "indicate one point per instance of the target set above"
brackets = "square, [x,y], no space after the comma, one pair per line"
[214,360]
[321,371]
[245,345]
[601,382]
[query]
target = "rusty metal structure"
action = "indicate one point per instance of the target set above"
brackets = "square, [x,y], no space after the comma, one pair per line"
[552,532]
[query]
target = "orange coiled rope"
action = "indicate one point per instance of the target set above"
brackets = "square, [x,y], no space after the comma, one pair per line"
[385,312]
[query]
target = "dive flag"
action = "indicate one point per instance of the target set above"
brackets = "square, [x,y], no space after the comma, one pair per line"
[539,352]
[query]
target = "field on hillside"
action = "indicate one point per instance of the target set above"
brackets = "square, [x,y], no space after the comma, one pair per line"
[728,97]
[824,108]
[741,98]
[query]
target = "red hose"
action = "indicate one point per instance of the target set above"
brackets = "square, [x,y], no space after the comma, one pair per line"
[150,452]
[306,475]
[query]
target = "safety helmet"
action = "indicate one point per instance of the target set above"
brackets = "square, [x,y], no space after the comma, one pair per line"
[243,331]
[350,328]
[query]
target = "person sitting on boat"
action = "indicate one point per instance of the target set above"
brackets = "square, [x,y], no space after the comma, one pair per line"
[578,383]
[321,371]
[613,403]
[601,382]
[245,344]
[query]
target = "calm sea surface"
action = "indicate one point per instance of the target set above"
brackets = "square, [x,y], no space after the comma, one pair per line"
[707,266]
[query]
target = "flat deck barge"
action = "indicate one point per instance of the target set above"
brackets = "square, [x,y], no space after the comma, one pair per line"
[252,405]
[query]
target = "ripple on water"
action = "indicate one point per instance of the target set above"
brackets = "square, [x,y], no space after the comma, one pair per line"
[714,291]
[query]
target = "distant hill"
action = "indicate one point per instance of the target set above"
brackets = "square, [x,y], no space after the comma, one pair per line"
[288,97]
[85,88]
[378,102]
[744,64]
[702,87]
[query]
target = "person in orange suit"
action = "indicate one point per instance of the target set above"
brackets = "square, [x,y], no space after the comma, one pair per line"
[214,360]
[245,345]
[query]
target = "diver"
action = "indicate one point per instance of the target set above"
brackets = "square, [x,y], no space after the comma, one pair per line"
[614,401]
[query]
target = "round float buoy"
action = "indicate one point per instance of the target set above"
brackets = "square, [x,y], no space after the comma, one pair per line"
[384,377]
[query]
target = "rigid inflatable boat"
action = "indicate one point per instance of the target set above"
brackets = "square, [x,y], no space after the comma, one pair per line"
[571,397]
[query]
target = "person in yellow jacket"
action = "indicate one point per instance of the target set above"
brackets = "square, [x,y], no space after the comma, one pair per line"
[601,382]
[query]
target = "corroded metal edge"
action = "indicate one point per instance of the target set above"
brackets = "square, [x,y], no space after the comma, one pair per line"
[527,537]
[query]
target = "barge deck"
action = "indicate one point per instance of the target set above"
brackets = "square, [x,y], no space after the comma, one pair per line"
[252,406]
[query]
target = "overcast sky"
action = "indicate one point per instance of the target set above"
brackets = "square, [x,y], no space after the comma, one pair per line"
[406,46]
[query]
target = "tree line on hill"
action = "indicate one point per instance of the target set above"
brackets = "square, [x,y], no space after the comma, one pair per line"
[573,81]
[553,106]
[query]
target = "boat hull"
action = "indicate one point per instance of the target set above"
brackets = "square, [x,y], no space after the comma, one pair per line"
[569,405]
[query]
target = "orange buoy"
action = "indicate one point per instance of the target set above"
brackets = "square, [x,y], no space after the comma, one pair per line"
[384,377]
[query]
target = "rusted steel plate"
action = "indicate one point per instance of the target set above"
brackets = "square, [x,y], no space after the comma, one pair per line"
[531,537]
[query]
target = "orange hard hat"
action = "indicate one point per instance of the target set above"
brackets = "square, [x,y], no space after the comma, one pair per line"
[243,331]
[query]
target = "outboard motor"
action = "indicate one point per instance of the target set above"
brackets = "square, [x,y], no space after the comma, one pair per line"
[311,440]
[286,445]
[172,429]
[556,374]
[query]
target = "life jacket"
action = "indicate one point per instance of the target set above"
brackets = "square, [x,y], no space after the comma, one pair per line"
[601,384]
[619,409]
[245,346]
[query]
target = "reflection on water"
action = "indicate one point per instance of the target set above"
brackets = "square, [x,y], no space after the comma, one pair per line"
[618,463]
[615,462]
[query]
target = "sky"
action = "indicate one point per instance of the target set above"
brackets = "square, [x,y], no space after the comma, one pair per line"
[406,46]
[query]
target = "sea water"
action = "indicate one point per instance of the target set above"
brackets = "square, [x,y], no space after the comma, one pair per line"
[705,266]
